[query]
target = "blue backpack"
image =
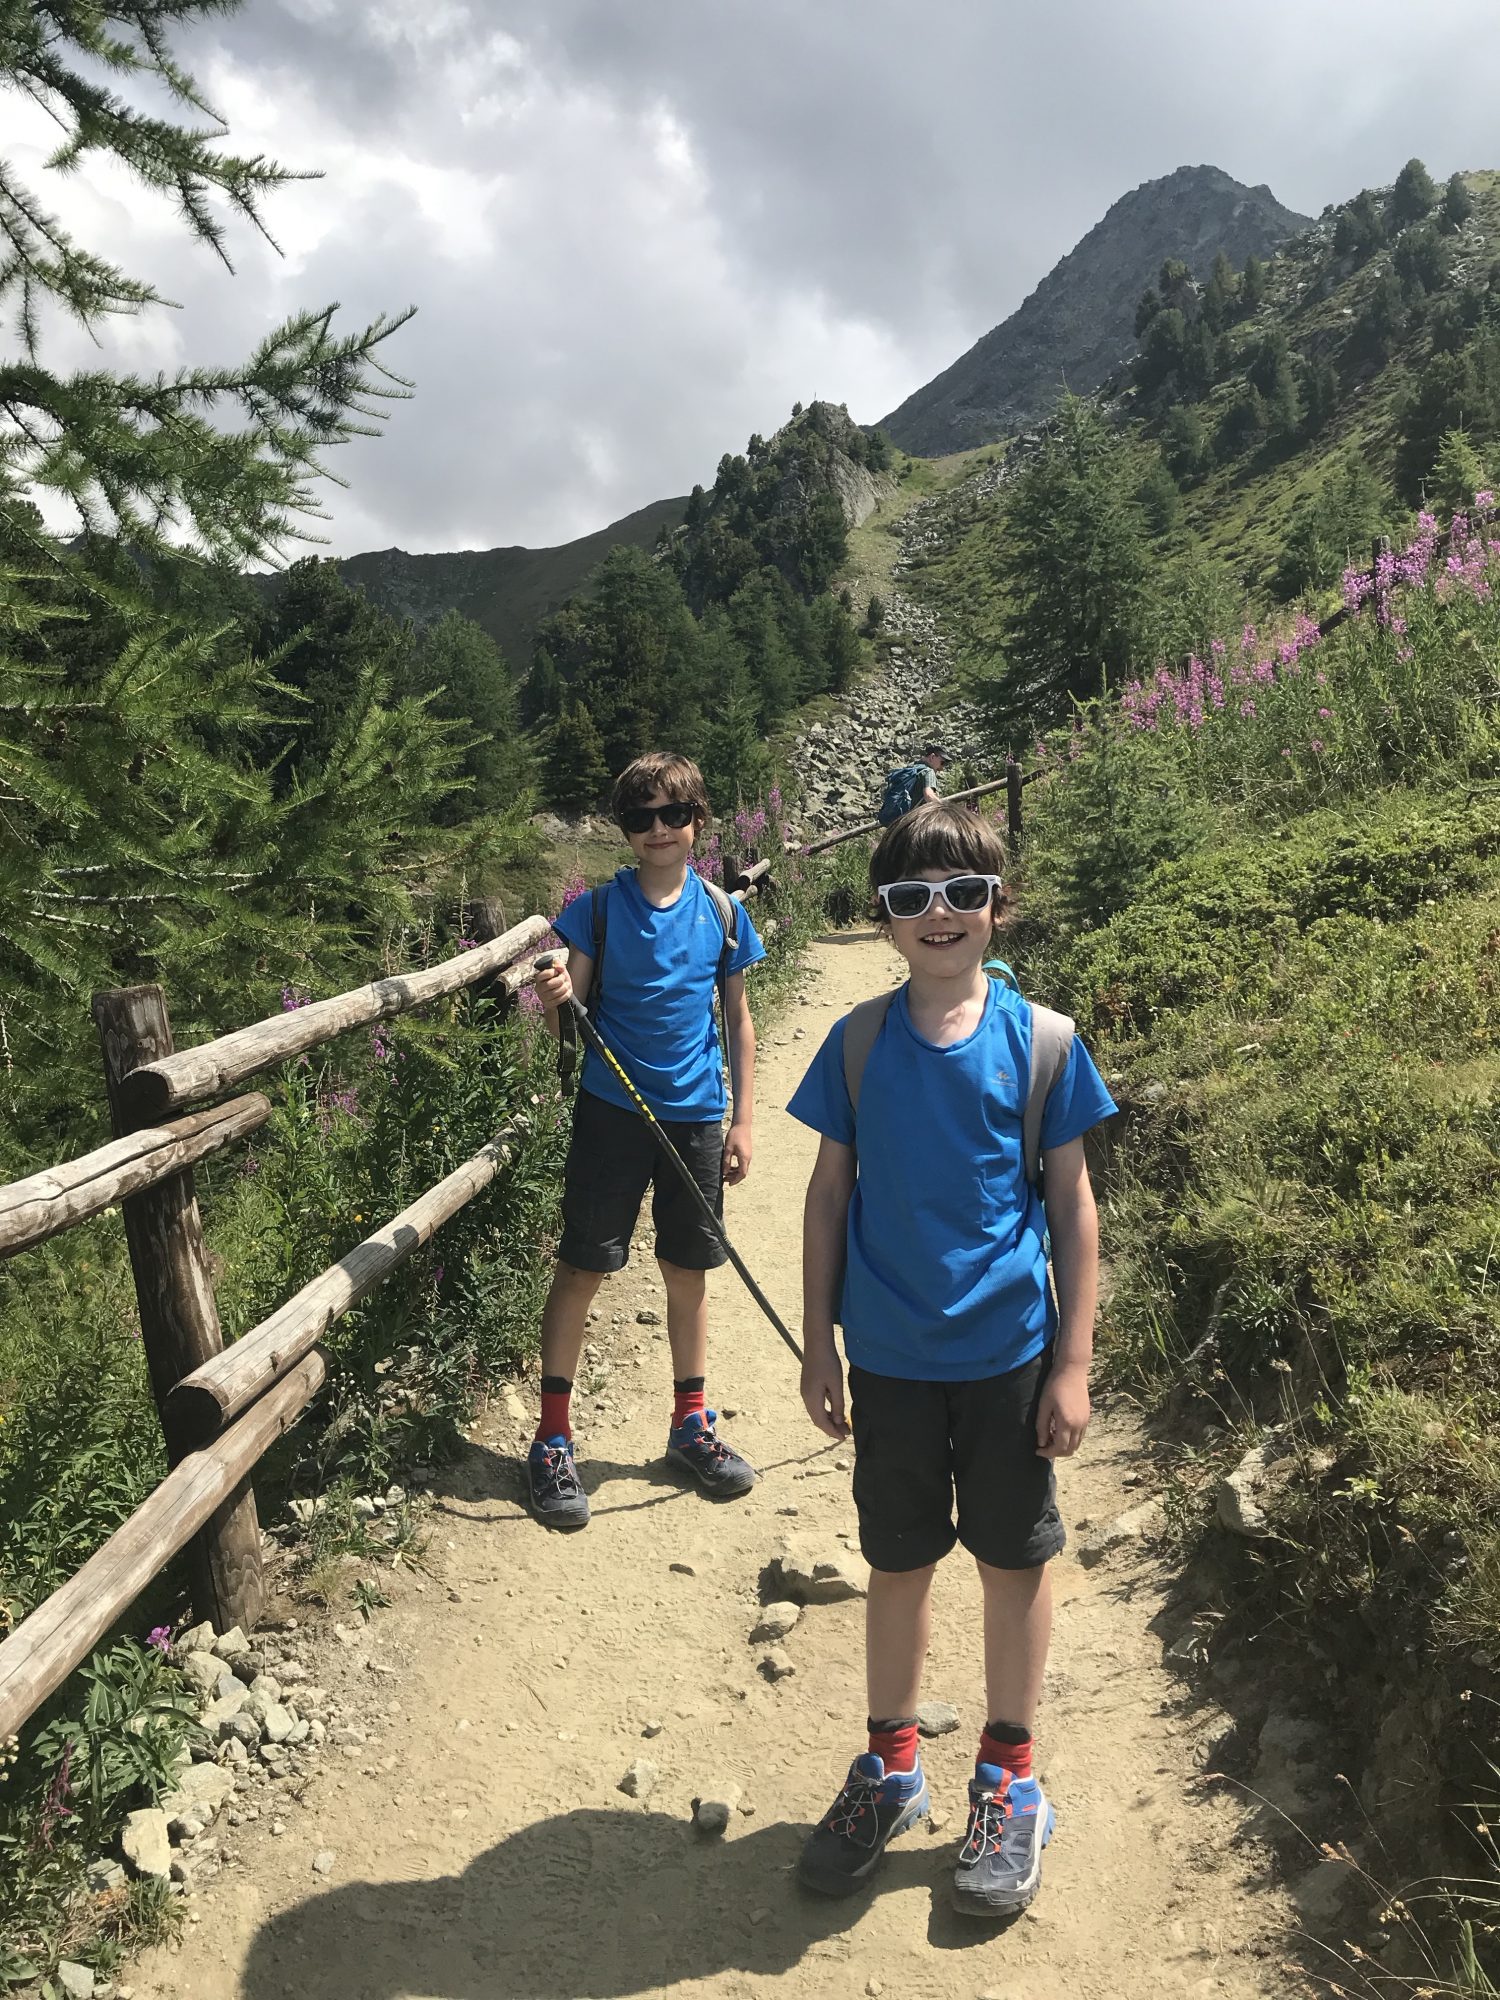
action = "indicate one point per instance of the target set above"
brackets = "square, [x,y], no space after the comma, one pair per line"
[900,793]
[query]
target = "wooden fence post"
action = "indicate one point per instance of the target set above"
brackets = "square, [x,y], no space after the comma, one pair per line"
[1013,801]
[179,1320]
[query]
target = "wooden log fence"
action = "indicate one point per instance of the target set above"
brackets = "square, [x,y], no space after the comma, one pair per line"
[45,1648]
[45,1204]
[1012,784]
[221,1408]
[174,1080]
[226,1386]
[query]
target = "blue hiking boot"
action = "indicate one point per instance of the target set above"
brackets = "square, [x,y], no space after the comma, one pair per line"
[1000,1863]
[552,1489]
[843,1849]
[693,1447]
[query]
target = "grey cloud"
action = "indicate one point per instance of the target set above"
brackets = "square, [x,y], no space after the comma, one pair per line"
[868,185]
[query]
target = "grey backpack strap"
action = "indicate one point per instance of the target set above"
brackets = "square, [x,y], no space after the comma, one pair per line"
[1051,1045]
[729,916]
[862,1026]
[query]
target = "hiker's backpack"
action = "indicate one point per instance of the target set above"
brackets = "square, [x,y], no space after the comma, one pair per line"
[725,908]
[900,793]
[1051,1045]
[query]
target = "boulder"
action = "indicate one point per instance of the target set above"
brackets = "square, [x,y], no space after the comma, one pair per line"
[146,1844]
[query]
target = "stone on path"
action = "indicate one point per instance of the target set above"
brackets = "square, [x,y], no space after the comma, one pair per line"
[712,1812]
[1137,1524]
[809,1578]
[778,1664]
[76,1981]
[232,1645]
[936,1718]
[197,1639]
[323,1861]
[640,1781]
[775,1621]
[145,1844]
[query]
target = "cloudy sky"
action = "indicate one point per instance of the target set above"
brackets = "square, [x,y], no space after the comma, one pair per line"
[638,230]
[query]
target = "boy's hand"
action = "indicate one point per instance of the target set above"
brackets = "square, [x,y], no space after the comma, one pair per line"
[736,1154]
[1062,1415]
[552,985]
[823,1388]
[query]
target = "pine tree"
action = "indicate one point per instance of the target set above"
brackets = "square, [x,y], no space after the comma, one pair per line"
[576,770]
[1075,565]
[1413,195]
[457,669]
[225,456]
[1458,203]
[1252,286]
[1458,473]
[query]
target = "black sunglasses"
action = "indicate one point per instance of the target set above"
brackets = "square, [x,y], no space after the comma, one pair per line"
[677,813]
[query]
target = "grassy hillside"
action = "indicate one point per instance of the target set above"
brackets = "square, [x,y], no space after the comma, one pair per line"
[1363,347]
[506,591]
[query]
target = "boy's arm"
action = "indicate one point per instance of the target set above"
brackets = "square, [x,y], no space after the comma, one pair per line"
[825,1218]
[739,1032]
[557,982]
[1073,1222]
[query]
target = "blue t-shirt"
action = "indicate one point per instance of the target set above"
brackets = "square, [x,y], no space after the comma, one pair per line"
[946,1271]
[657,1009]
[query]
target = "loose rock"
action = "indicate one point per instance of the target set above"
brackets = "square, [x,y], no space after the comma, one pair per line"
[778,1665]
[232,1644]
[640,1781]
[807,1578]
[937,1718]
[775,1621]
[323,1861]
[712,1813]
[145,1844]
[197,1639]
[76,1981]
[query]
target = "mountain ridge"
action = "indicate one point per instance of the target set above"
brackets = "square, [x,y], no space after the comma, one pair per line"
[1077,326]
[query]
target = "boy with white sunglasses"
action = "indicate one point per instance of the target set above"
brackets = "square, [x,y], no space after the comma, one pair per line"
[925,1237]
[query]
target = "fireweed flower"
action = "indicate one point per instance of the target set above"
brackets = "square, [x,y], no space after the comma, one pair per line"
[160,1636]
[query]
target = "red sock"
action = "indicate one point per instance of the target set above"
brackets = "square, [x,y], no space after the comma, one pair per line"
[1012,1757]
[687,1400]
[557,1394]
[894,1742]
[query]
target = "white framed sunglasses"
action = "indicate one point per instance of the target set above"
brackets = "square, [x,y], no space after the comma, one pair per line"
[964,895]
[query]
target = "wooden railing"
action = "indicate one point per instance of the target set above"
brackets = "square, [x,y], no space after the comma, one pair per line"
[221,1408]
[1012,784]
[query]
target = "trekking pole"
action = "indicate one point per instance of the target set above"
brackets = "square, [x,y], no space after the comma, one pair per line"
[616,1068]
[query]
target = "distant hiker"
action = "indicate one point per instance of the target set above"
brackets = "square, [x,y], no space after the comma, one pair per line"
[647,951]
[912,785]
[926,1239]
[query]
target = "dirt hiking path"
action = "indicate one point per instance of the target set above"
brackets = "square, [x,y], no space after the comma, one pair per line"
[481,1849]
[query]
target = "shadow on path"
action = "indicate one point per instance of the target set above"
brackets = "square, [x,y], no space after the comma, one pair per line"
[593,1904]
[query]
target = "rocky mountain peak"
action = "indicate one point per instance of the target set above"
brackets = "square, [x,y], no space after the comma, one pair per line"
[1079,323]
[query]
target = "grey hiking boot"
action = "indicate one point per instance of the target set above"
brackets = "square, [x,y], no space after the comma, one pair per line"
[1000,1863]
[695,1447]
[552,1489]
[843,1850]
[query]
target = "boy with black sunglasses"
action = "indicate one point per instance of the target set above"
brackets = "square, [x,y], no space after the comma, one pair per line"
[926,1239]
[646,953]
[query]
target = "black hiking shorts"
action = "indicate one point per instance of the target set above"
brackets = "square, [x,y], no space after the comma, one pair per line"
[919,1447]
[612,1160]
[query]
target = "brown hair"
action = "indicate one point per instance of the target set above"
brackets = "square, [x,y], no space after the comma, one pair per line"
[660,771]
[937,836]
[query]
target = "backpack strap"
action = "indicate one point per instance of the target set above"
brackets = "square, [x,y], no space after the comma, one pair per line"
[728,912]
[1051,1046]
[862,1026]
[599,926]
